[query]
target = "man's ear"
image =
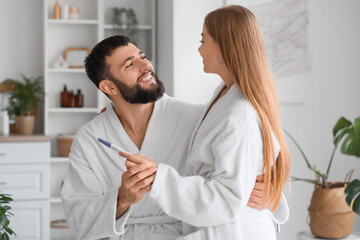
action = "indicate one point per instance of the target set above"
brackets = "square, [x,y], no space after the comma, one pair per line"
[108,87]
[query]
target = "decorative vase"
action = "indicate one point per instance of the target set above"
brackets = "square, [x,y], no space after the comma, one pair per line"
[25,124]
[57,10]
[330,216]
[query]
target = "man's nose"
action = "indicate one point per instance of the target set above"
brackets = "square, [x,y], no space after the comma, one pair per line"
[144,65]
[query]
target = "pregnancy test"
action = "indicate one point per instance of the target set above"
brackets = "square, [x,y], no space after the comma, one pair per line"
[112,146]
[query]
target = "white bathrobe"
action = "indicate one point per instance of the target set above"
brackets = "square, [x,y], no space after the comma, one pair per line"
[91,185]
[225,155]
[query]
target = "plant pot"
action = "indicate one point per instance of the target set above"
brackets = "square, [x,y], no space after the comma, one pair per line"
[25,124]
[330,216]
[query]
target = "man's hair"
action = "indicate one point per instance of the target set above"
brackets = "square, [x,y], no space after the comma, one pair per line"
[95,63]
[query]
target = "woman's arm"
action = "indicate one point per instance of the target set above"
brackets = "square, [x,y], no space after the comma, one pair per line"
[218,199]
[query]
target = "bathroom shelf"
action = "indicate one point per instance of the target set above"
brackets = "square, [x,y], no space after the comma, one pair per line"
[73,110]
[59,160]
[75,21]
[66,70]
[94,25]
[139,27]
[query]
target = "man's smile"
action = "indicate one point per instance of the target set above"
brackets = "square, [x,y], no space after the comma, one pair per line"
[147,78]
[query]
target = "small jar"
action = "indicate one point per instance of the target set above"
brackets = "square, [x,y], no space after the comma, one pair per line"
[74,12]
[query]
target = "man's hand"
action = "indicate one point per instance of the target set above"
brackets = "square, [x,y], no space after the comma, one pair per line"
[256,201]
[135,182]
[135,159]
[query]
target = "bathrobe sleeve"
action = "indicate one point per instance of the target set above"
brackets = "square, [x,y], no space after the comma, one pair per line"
[281,214]
[219,199]
[90,212]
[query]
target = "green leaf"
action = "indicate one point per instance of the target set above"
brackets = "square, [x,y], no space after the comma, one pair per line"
[6,207]
[351,143]
[7,199]
[9,230]
[353,194]
[353,184]
[2,235]
[356,205]
[338,138]
[4,221]
[6,237]
[340,124]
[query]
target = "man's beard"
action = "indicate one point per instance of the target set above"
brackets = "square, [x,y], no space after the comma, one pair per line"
[136,94]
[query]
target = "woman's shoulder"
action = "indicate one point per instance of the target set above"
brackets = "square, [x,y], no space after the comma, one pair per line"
[241,116]
[239,108]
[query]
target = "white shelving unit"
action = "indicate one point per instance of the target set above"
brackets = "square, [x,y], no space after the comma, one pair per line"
[94,24]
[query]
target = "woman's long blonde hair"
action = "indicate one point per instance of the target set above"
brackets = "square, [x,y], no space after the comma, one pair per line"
[238,34]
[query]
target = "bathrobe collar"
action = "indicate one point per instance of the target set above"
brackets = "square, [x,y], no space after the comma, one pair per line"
[207,106]
[121,134]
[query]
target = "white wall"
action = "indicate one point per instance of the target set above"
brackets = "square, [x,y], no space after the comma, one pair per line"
[190,82]
[165,44]
[21,41]
[333,89]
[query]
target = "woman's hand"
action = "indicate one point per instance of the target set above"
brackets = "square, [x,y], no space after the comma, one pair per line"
[135,159]
[256,200]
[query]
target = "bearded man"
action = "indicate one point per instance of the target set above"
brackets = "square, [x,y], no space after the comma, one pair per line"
[102,199]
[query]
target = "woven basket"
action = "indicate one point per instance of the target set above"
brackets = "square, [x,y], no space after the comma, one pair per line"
[64,144]
[330,216]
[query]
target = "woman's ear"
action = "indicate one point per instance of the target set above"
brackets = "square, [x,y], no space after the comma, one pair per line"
[108,87]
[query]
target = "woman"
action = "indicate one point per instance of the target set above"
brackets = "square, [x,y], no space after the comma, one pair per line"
[238,137]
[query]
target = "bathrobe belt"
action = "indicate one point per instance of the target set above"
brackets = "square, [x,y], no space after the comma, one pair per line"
[151,220]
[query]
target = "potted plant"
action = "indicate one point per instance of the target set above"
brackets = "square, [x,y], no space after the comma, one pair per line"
[125,21]
[331,215]
[23,101]
[5,230]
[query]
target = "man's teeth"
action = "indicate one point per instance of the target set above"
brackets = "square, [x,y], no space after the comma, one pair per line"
[146,78]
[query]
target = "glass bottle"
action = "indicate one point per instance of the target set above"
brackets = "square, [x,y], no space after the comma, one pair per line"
[79,99]
[64,97]
[71,99]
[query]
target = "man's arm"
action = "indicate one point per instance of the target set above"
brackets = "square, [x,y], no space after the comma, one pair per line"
[93,213]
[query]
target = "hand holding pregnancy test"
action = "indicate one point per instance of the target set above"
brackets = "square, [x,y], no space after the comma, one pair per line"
[136,159]
[112,146]
[132,159]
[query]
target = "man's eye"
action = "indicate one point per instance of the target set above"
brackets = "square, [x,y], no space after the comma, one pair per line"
[129,65]
[201,41]
[143,57]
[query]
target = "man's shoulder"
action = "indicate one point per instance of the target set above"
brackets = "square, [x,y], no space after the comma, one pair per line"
[94,125]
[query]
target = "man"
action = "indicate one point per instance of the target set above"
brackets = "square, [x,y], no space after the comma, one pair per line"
[101,198]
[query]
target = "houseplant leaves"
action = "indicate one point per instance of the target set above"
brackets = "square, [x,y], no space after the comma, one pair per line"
[351,143]
[353,194]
